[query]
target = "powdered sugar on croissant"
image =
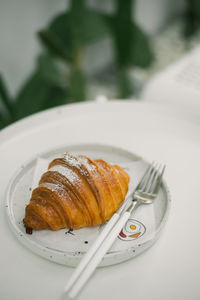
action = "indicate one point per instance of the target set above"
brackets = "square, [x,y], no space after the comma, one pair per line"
[75,192]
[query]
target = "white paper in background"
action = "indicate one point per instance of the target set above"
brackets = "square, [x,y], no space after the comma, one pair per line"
[178,85]
[139,228]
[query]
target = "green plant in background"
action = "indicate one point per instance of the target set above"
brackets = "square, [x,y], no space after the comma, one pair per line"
[130,46]
[59,76]
[7,115]
[192,17]
[66,39]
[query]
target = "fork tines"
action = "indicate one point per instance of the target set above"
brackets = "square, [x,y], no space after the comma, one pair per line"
[151,180]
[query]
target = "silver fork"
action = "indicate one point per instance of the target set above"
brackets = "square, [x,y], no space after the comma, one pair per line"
[148,187]
[145,192]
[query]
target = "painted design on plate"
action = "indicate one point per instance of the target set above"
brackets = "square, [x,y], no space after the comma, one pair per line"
[132,230]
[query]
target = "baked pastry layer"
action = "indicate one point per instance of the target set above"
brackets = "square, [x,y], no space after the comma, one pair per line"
[75,192]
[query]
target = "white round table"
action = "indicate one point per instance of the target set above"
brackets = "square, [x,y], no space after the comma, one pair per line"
[170,268]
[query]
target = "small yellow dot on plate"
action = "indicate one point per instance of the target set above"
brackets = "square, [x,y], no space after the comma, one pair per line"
[132,226]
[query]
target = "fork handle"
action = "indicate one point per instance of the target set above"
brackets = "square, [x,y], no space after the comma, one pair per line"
[83,263]
[96,259]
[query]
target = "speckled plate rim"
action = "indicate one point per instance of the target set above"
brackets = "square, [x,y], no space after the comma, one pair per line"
[73,258]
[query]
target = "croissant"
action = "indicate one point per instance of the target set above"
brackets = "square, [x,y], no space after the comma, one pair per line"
[75,192]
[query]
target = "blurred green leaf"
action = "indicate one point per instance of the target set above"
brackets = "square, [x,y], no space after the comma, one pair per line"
[4,119]
[120,24]
[59,31]
[192,17]
[86,26]
[78,5]
[190,27]
[51,70]
[77,85]
[6,100]
[141,52]
[54,44]
[125,86]
[131,44]
[32,96]
[76,28]
[1,123]
[37,95]
[56,97]
[121,35]
[195,4]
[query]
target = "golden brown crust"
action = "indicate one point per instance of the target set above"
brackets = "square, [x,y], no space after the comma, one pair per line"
[76,192]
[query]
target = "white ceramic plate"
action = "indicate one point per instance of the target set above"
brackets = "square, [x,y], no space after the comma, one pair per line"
[66,246]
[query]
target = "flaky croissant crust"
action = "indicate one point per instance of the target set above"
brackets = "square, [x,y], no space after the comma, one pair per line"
[75,192]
